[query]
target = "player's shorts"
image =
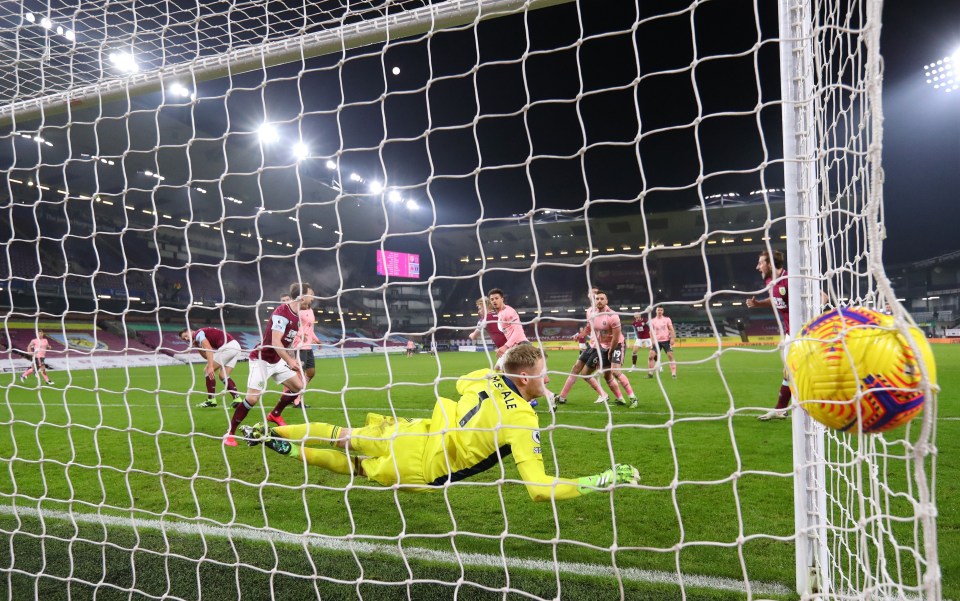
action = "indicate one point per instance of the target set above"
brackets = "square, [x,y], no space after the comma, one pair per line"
[615,355]
[590,358]
[394,449]
[261,371]
[642,343]
[663,346]
[582,346]
[228,354]
[38,362]
[307,360]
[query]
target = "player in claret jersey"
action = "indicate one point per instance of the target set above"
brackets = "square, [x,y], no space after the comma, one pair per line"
[38,349]
[221,351]
[275,359]
[642,329]
[775,278]
[487,327]
[492,419]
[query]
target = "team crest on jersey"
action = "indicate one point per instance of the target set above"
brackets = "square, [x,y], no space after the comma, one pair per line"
[783,290]
[536,436]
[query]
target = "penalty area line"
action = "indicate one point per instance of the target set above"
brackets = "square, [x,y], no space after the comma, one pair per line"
[416,553]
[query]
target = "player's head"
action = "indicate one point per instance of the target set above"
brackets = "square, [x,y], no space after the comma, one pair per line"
[302,292]
[526,367]
[593,294]
[659,311]
[41,335]
[637,316]
[483,305]
[186,335]
[285,298]
[600,300]
[767,264]
[496,298]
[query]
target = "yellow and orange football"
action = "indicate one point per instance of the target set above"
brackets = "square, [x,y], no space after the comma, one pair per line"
[852,367]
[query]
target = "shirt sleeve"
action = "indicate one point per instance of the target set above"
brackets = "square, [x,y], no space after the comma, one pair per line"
[516,335]
[528,455]
[279,323]
[199,337]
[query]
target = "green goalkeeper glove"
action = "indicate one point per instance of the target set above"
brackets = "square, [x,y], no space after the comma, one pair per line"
[620,474]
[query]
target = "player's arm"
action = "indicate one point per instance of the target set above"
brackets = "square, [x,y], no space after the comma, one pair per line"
[753,302]
[542,487]
[30,348]
[673,333]
[277,343]
[206,351]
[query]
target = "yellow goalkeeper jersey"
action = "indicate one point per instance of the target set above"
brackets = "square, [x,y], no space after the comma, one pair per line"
[489,422]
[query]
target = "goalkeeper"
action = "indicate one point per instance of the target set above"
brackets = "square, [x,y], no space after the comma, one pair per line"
[493,419]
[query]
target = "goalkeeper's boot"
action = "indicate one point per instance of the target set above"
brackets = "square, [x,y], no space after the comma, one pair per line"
[254,434]
[276,419]
[633,403]
[208,403]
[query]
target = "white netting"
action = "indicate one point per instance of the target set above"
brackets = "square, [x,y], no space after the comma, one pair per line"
[537,147]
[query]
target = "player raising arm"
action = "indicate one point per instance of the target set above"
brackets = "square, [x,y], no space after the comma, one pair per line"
[492,419]
[275,359]
[221,351]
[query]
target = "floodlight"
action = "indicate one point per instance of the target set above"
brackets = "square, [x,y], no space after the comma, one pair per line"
[300,151]
[355,178]
[376,187]
[396,71]
[412,205]
[124,61]
[331,165]
[178,89]
[268,134]
[394,196]
[30,18]
[59,30]
[70,35]
[46,23]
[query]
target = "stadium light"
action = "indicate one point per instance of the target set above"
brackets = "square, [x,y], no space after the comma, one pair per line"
[124,61]
[268,134]
[59,29]
[301,151]
[70,35]
[412,205]
[331,165]
[944,74]
[46,23]
[178,89]
[394,196]
[376,187]
[30,18]
[355,178]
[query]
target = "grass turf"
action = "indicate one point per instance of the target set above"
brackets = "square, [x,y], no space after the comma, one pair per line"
[716,495]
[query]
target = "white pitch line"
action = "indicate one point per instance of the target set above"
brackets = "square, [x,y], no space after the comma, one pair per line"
[340,545]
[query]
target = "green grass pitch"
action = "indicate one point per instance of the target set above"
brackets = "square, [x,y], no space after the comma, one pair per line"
[83,458]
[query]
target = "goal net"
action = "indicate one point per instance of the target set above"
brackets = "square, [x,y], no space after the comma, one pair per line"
[175,165]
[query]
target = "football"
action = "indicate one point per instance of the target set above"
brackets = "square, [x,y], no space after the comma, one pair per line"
[852,366]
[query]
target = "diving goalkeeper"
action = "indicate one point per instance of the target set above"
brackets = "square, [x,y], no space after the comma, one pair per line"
[492,419]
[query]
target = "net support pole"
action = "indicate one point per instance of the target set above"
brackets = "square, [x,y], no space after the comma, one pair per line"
[803,265]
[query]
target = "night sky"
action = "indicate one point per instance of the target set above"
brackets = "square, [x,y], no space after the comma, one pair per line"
[656,120]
